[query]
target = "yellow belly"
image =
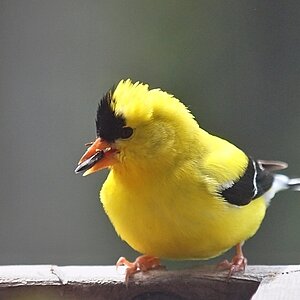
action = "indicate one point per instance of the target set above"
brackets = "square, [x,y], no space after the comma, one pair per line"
[178,223]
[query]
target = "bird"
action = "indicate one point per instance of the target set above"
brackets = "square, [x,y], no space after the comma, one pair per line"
[175,191]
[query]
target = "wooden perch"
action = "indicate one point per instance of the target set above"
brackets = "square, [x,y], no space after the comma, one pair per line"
[104,282]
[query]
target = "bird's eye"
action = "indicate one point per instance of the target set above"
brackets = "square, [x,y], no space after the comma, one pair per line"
[126,132]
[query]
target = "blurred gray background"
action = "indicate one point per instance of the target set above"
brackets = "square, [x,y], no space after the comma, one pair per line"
[236,64]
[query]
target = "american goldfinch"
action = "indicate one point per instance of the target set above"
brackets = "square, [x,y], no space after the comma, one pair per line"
[175,191]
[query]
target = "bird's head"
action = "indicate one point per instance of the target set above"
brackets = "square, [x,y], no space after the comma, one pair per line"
[137,126]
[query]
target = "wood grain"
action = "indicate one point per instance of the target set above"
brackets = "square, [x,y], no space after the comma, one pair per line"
[105,282]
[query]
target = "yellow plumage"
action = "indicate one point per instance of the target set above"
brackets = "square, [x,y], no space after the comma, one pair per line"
[163,194]
[162,197]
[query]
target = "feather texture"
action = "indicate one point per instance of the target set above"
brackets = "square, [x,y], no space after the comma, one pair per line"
[174,190]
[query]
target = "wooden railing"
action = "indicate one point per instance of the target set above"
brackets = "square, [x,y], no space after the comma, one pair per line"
[50,282]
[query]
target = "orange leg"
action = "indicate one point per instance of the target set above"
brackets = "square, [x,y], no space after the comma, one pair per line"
[237,264]
[141,264]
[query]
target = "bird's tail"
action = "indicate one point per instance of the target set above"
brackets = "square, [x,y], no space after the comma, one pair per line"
[294,184]
[281,182]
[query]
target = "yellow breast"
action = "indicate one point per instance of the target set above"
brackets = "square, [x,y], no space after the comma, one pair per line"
[185,221]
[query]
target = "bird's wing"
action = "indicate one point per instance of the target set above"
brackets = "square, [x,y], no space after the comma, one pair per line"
[237,178]
[253,183]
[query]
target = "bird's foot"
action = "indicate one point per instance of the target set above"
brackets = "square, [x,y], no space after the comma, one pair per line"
[141,264]
[237,264]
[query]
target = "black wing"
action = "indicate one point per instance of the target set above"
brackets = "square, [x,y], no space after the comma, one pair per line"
[256,180]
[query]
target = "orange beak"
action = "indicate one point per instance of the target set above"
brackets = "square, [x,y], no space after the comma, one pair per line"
[98,156]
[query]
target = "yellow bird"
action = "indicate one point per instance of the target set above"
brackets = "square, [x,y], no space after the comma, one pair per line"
[175,191]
